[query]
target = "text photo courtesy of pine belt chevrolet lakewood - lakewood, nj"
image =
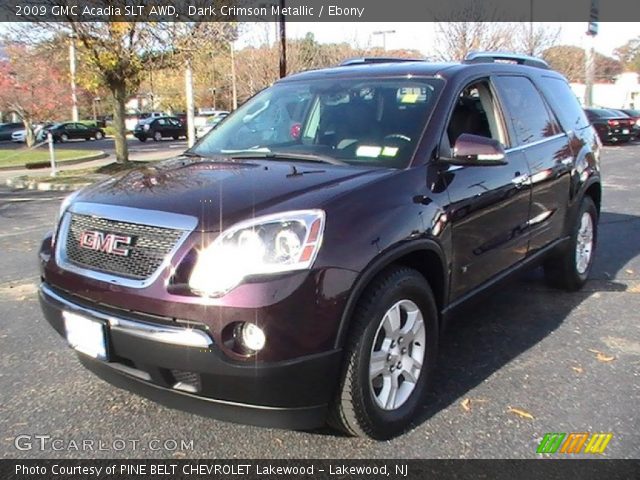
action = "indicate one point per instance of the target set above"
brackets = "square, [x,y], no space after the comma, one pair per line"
[323,250]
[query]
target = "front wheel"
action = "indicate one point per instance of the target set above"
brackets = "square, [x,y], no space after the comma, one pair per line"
[157,136]
[389,357]
[99,136]
[64,137]
[569,268]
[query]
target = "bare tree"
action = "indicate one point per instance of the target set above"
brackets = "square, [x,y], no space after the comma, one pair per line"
[534,38]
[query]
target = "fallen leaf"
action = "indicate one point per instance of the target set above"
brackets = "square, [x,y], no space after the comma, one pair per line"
[520,413]
[279,441]
[466,404]
[601,356]
[577,368]
[629,271]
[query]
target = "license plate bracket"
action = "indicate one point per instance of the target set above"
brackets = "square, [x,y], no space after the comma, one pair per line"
[86,335]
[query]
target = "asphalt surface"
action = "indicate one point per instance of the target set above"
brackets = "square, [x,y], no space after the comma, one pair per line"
[528,348]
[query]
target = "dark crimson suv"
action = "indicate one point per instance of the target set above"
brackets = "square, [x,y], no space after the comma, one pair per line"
[298,264]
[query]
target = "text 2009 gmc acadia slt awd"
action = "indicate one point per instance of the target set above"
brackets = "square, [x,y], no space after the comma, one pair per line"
[297,265]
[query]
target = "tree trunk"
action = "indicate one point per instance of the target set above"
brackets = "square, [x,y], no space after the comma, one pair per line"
[119,93]
[29,136]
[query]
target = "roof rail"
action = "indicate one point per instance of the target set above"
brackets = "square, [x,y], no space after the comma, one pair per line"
[492,57]
[367,60]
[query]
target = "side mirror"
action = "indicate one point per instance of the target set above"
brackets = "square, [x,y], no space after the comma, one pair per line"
[474,150]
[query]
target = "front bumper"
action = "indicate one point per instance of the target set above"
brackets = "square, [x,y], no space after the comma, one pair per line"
[179,373]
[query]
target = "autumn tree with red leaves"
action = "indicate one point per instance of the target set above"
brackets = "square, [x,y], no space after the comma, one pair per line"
[32,87]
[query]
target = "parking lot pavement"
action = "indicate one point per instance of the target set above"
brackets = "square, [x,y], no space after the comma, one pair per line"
[527,361]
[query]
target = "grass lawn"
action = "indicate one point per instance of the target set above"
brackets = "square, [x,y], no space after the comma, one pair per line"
[17,158]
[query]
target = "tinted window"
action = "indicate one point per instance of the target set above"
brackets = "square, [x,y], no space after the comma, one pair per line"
[564,103]
[529,115]
[80,126]
[594,113]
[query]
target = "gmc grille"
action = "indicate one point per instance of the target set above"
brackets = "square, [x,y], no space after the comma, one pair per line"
[149,247]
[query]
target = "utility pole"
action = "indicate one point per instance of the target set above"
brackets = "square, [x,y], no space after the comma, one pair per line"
[384,34]
[283,43]
[234,92]
[590,66]
[72,68]
[188,81]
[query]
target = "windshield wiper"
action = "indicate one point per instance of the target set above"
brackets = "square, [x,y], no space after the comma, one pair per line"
[306,157]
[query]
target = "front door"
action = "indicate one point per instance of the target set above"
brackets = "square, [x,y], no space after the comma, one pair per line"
[489,205]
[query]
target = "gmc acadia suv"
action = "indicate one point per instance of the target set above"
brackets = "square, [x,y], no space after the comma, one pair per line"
[298,264]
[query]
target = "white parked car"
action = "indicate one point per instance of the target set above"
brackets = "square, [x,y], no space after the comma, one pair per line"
[210,124]
[19,136]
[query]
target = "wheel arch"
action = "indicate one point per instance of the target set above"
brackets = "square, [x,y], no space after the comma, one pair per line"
[425,256]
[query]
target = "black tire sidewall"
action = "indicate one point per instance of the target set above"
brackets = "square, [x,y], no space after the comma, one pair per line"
[414,288]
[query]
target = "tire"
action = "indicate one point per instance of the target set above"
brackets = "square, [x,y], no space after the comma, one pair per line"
[569,268]
[64,138]
[157,136]
[142,139]
[99,136]
[363,406]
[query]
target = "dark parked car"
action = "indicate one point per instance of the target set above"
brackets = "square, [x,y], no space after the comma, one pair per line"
[7,129]
[635,117]
[159,128]
[300,262]
[63,132]
[612,126]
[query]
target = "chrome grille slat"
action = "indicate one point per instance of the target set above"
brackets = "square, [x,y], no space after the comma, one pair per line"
[150,248]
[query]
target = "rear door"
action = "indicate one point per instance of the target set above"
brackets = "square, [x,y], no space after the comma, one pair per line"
[549,155]
[489,205]
[81,131]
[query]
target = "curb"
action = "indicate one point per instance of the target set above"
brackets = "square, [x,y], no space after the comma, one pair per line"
[72,161]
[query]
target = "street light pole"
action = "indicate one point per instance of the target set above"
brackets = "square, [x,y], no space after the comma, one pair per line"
[384,34]
[72,68]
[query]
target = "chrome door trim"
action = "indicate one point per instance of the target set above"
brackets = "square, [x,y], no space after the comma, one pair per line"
[537,142]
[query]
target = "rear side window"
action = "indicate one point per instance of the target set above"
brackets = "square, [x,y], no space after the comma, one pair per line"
[564,103]
[527,110]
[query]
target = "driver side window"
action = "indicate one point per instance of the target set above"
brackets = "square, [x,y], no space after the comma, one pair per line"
[475,113]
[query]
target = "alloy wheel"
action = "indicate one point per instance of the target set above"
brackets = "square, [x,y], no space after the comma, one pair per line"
[397,355]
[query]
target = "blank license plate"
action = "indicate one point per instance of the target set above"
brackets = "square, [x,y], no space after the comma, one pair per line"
[625,131]
[86,335]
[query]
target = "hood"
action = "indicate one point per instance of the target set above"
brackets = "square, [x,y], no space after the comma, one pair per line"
[220,193]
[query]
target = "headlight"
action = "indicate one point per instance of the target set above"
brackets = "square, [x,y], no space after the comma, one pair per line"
[270,244]
[146,127]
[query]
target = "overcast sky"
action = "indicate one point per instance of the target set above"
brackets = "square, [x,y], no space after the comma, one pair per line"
[421,35]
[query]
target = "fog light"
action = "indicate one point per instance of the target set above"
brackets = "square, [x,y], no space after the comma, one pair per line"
[251,337]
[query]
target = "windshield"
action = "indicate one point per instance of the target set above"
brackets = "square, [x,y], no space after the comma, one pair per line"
[356,121]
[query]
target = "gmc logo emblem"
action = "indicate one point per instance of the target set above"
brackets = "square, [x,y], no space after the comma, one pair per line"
[105,242]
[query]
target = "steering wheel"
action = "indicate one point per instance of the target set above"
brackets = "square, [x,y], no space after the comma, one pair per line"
[397,136]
